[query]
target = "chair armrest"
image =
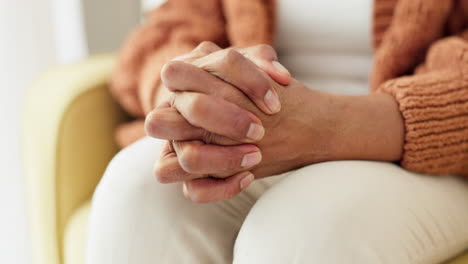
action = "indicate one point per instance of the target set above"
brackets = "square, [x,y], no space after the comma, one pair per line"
[68,122]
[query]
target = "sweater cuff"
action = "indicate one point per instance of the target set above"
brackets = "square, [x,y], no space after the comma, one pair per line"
[435,111]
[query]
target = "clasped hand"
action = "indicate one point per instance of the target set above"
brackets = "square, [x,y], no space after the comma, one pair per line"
[220,112]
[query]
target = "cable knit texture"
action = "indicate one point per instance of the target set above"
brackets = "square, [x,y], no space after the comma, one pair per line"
[421,58]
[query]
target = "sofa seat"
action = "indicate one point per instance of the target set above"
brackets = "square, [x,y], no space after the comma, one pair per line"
[75,236]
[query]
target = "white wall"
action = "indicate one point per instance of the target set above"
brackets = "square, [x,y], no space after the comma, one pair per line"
[26,47]
[147,5]
[108,22]
[34,35]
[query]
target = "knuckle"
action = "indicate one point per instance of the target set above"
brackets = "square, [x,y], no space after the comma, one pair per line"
[197,100]
[241,121]
[170,71]
[161,173]
[196,107]
[197,194]
[208,137]
[232,162]
[150,124]
[232,57]
[153,126]
[198,197]
[189,159]
[265,51]
[260,86]
[207,47]
[228,193]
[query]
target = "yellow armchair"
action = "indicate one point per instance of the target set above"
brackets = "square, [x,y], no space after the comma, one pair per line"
[68,124]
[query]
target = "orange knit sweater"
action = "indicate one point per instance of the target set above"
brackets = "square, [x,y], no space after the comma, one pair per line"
[421,58]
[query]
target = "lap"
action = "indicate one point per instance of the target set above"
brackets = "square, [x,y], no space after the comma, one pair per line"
[135,219]
[356,212]
[334,212]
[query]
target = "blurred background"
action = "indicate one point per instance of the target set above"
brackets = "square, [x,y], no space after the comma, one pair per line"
[34,36]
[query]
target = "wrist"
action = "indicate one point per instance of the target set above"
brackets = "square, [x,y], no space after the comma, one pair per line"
[369,127]
[312,122]
[336,127]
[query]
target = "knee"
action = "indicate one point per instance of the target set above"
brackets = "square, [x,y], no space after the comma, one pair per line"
[128,182]
[325,213]
[130,205]
[131,167]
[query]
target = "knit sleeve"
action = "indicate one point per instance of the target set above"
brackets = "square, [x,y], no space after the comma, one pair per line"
[174,28]
[402,38]
[250,22]
[434,105]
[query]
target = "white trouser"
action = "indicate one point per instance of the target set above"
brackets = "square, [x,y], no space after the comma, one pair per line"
[336,212]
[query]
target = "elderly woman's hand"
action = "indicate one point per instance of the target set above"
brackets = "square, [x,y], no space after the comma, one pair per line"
[220,139]
[209,108]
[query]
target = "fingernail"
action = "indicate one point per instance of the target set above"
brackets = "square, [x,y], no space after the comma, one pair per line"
[182,57]
[251,159]
[272,101]
[246,181]
[255,132]
[279,67]
[185,191]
